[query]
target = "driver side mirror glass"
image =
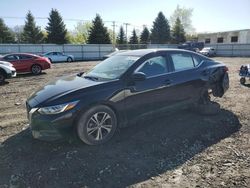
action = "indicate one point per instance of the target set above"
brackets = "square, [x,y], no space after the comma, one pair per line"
[138,76]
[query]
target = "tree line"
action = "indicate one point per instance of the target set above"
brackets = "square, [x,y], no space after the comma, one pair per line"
[93,33]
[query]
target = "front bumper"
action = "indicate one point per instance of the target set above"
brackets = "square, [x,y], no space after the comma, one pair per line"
[50,127]
[11,74]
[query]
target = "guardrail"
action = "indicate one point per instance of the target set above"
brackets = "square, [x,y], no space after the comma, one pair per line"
[80,52]
[97,51]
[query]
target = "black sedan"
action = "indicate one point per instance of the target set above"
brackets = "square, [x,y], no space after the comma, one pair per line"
[121,89]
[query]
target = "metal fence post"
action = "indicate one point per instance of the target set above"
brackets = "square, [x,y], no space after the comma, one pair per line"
[99,47]
[82,52]
[232,50]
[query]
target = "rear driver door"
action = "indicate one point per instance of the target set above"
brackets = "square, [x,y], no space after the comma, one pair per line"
[185,76]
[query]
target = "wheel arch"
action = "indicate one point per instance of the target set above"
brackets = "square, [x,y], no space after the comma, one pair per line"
[34,65]
[104,103]
[3,71]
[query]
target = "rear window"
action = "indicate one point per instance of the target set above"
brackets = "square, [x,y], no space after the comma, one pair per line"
[182,61]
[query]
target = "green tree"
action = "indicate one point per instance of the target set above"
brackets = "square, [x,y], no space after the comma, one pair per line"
[56,29]
[160,33]
[185,16]
[18,31]
[31,33]
[80,34]
[121,38]
[6,36]
[133,39]
[178,32]
[145,36]
[98,33]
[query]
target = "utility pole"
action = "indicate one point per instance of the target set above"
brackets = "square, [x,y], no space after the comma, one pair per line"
[126,24]
[113,25]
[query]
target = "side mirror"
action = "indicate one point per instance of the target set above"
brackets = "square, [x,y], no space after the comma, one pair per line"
[138,76]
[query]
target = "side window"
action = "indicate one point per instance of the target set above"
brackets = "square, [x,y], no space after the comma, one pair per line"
[54,53]
[154,66]
[182,61]
[196,60]
[24,57]
[10,58]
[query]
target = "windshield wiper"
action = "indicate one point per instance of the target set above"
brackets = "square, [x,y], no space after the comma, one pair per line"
[91,77]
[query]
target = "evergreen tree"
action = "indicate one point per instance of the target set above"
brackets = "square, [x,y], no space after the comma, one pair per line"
[57,32]
[5,34]
[98,33]
[133,39]
[31,33]
[145,36]
[178,32]
[121,38]
[160,33]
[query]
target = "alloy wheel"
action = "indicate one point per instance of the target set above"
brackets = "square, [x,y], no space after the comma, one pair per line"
[99,126]
[36,69]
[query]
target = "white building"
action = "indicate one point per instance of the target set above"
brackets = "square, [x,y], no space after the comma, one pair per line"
[227,37]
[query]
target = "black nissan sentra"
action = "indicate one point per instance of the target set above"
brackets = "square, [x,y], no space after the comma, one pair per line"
[123,88]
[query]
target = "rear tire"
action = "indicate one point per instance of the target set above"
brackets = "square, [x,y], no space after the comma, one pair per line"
[242,80]
[36,69]
[97,125]
[69,59]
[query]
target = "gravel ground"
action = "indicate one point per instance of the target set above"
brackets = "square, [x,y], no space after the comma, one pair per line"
[181,149]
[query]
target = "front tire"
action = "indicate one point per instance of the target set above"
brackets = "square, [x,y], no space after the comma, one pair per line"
[2,77]
[36,69]
[97,125]
[242,80]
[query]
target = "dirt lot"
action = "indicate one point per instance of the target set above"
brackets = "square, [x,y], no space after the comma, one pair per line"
[181,149]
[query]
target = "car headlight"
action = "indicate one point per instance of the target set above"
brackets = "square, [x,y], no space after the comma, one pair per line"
[57,108]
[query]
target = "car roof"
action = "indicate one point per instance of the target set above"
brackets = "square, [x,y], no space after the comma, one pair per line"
[52,52]
[143,52]
[22,54]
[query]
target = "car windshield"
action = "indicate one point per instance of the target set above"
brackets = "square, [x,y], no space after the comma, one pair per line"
[111,68]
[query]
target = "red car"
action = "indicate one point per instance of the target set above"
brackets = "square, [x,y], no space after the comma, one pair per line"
[24,62]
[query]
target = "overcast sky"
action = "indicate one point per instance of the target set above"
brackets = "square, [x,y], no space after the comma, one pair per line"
[208,15]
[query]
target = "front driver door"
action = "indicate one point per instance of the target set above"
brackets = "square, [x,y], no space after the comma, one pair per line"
[145,97]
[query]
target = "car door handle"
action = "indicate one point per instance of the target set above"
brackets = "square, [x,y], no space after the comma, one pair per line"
[167,82]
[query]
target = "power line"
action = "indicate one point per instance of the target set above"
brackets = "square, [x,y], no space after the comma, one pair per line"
[126,25]
[113,25]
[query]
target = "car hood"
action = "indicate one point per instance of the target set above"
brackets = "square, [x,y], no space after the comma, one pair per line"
[59,88]
[6,63]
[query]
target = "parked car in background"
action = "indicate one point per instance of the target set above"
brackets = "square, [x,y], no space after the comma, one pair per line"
[192,46]
[6,71]
[208,51]
[121,89]
[114,53]
[58,57]
[24,62]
